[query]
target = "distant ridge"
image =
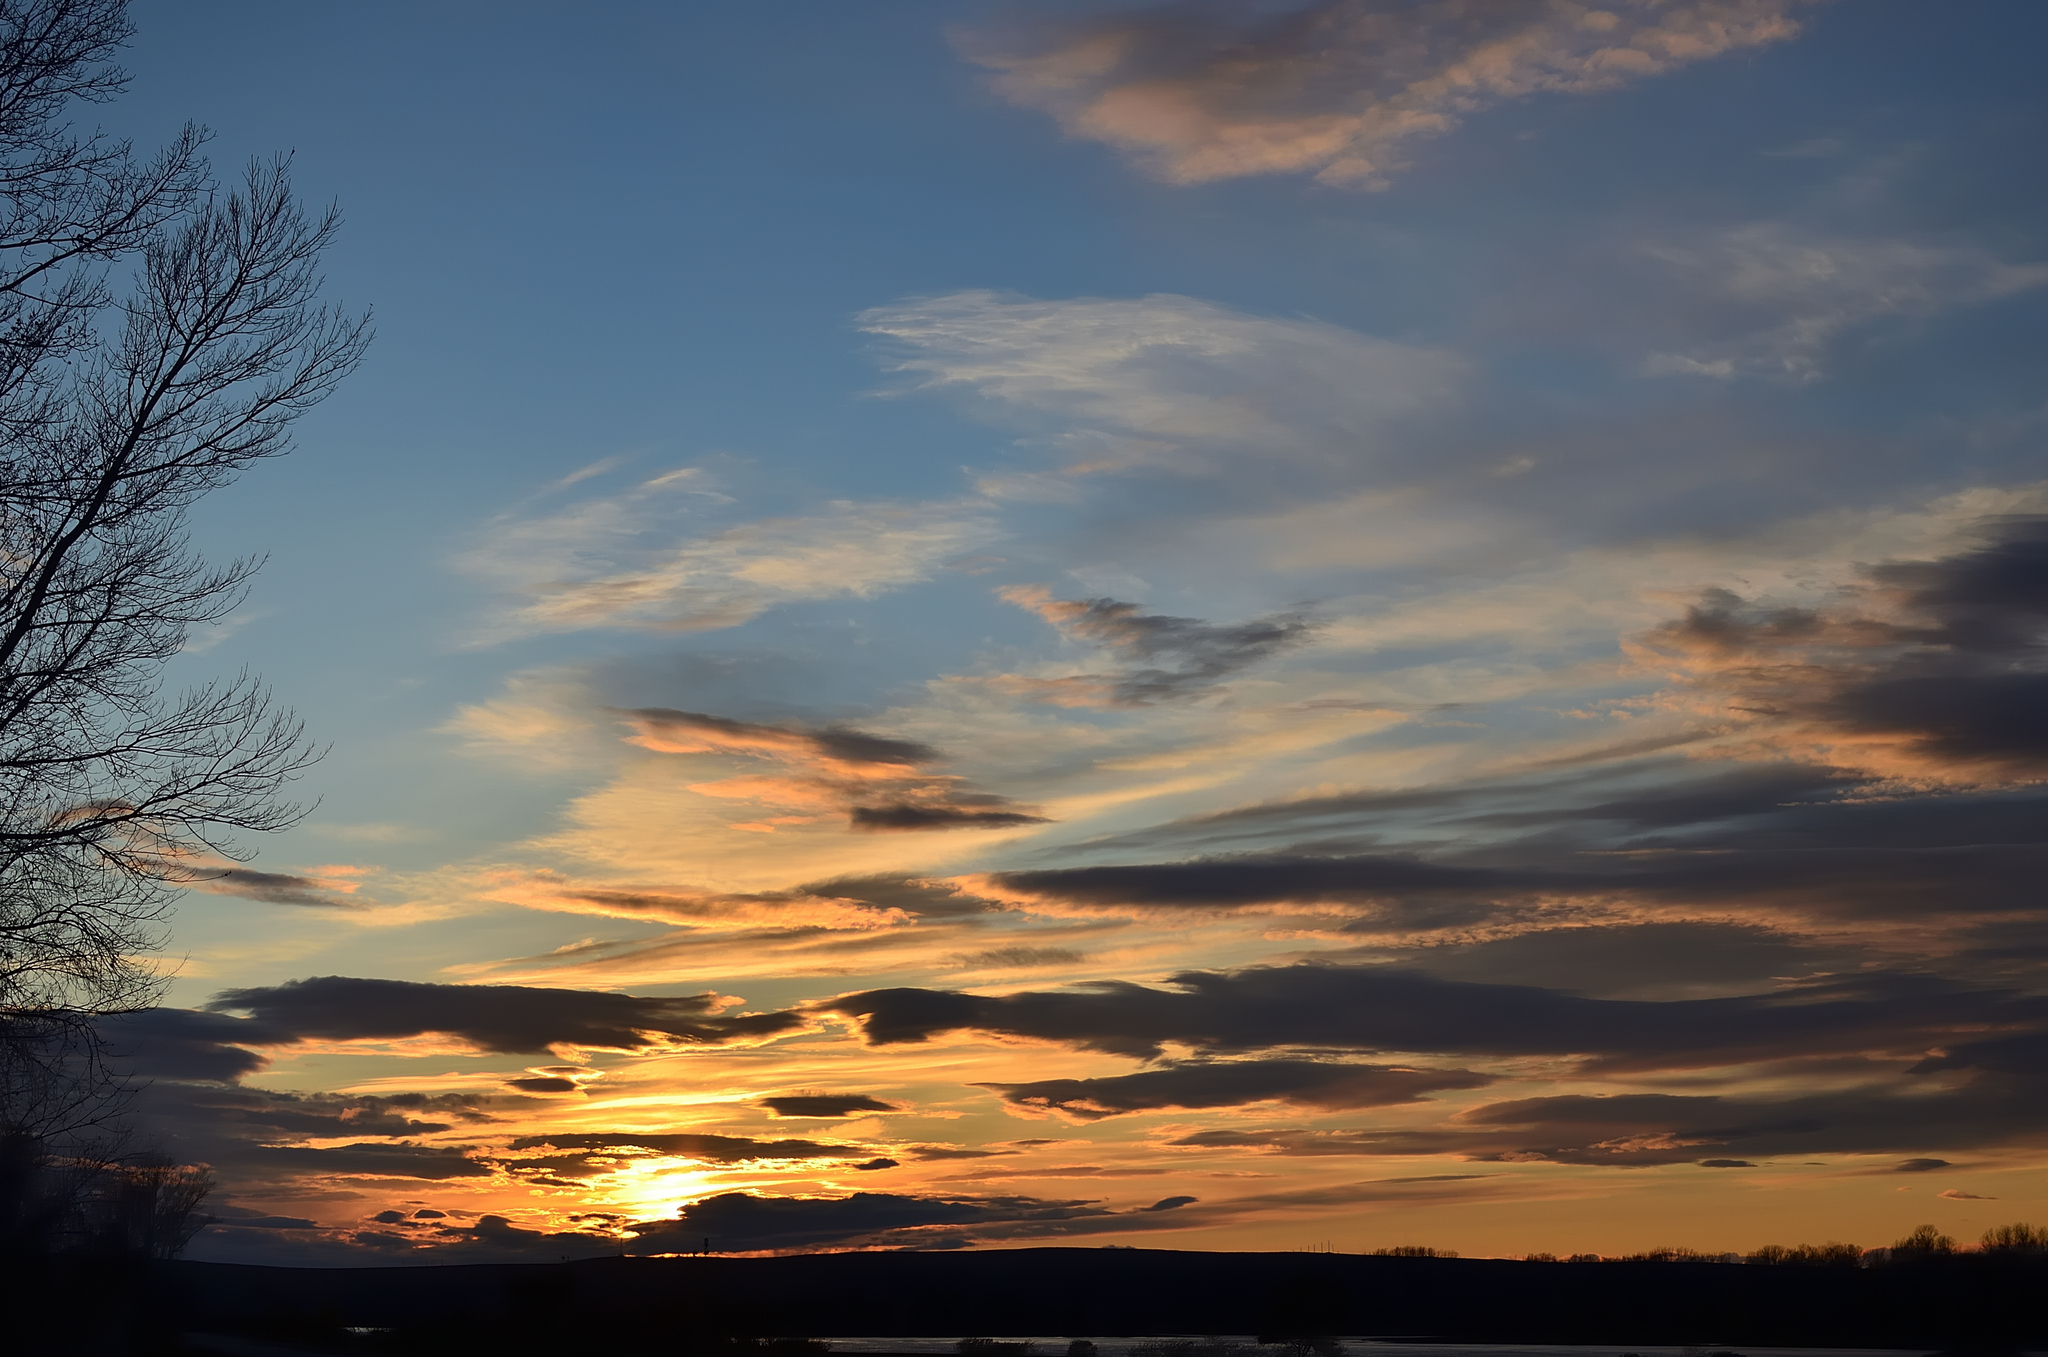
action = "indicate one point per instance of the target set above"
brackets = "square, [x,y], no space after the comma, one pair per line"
[1960,1304]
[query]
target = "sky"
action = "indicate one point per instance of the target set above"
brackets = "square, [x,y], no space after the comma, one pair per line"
[1242,625]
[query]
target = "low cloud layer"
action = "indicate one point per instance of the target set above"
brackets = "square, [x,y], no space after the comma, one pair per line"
[1372,1009]
[1313,1083]
[505,1018]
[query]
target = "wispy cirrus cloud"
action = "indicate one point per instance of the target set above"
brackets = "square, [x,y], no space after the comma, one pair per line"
[1166,382]
[649,559]
[1196,91]
[1798,291]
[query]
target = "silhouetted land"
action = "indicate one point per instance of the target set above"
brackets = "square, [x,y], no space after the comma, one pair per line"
[1965,1303]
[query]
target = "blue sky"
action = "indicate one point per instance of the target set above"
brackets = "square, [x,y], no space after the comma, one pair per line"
[1213,444]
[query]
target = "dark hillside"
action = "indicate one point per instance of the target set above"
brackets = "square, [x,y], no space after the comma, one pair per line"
[675,1304]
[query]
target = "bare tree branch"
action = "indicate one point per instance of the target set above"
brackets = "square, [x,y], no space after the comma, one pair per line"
[158,333]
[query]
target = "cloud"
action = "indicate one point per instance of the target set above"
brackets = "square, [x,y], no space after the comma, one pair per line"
[741,1221]
[1791,849]
[1378,1008]
[1933,671]
[880,784]
[1198,91]
[709,1149]
[1919,1165]
[1803,290]
[331,891]
[1172,1203]
[620,561]
[1166,658]
[825,1104]
[368,1160]
[1633,1130]
[181,1044]
[1726,1164]
[1314,1083]
[408,1239]
[1957,1195]
[504,1018]
[701,910]
[1173,384]
[940,1152]
[1407,885]
[1017,958]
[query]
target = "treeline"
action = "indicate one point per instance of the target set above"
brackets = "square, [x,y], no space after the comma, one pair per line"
[93,1204]
[2016,1240]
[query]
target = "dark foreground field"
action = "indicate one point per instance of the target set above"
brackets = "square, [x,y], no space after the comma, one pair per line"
[684,1305]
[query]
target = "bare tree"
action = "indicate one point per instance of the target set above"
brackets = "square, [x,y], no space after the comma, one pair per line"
[157,334]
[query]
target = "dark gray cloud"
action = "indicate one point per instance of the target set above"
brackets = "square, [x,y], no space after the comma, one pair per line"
[511,1019]
[1165,658]
[1018,958]
[367,1160]
[256,1137]
[1391,1009]
[1919,1165]
[182,1044]
[909,818]
[1229,882]
[1632,1130]
[1172,1203]
[1636,961]
[1326,1084]
[825,1104]
[1946,660]
[913,895]
[2024,1053]
[670,727]
[735,1221]
[1612,800]
[710,1149]
[1842,861]
[275,888]
[932,1152]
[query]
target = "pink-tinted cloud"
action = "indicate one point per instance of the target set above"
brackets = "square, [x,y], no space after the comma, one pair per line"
[1199,91]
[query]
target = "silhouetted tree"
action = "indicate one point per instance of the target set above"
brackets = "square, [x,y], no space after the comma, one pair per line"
[1926,1241]
[1829,1253]
[2022,1239]
[157,334]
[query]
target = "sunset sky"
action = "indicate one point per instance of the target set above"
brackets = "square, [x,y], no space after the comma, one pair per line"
[1235,625]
